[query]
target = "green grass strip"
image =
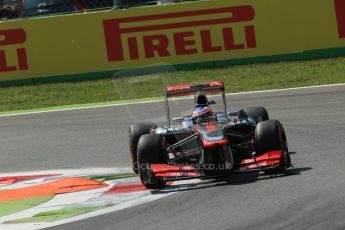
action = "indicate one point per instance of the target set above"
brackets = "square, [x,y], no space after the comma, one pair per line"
[9,207]
[113,177]
[120,88]
[76,106]
[56,215]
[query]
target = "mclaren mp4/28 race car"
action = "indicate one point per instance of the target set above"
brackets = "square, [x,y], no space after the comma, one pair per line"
[207,143]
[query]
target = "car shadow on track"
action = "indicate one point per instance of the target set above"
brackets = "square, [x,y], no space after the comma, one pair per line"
[251,177]
[234,179]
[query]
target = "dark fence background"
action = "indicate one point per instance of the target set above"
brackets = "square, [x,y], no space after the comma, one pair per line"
[10,9]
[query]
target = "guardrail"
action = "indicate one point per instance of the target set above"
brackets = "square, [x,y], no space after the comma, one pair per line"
[188,35]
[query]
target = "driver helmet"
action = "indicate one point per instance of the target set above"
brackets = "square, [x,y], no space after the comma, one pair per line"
[200,99]
[202,112]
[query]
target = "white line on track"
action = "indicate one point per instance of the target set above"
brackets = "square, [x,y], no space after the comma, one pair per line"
[152,101]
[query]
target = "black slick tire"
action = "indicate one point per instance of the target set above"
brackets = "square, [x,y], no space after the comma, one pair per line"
[134,133]
[149,152]
[270,136]
[257,113]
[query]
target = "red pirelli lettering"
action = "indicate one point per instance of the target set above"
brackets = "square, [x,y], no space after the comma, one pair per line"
[22,59]
[9,38]
[206,40]
[182,42]
[340,14]
[156,43]
[229,42]
[3,63]
[159,45]
[133,48]
[12,37]
[250,35]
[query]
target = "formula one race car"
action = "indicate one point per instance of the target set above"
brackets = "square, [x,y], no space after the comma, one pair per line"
[205,143]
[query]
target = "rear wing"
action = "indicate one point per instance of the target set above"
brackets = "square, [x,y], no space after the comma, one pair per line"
[192,89]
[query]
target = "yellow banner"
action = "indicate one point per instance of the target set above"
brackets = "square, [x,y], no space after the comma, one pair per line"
[179,33]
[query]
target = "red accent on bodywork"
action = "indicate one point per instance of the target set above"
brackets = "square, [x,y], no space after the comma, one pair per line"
[165,170]
[177,174]
[211,127]
[191,92]
[259,165]
[213,143]
[178,87]
[206,143]
[267,159]
[155,168]
[189,86]
[191,89]
[267,156]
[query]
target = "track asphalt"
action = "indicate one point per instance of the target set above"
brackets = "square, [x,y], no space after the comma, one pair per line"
[310,196]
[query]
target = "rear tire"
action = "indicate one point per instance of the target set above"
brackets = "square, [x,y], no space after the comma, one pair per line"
[270,136]
[134,133]
[149,152]
[257,113]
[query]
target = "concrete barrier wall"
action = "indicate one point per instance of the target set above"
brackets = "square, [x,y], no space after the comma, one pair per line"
[187,35]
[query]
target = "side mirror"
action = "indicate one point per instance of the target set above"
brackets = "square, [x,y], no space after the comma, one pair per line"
[177,119]
[212,102]
[232,114]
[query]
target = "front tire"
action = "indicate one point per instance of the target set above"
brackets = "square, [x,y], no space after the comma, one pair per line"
[257,113]
[134,133]
[149,152]
[270,136]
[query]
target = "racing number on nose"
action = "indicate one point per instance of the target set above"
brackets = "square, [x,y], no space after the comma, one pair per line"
[340,14]
[8,38]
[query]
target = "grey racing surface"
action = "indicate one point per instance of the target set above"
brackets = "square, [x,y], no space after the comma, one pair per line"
[310,196]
